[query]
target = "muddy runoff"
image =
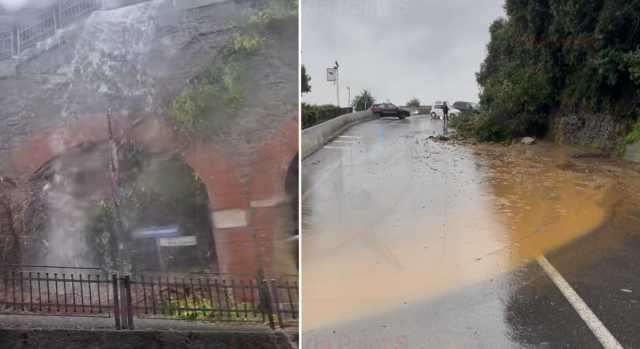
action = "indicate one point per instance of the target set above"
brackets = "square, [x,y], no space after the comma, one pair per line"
[464,214]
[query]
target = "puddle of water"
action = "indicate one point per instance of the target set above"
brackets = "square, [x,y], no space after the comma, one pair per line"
[540,203]
[418,219]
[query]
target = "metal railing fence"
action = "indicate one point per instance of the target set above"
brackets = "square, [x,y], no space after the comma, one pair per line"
[61,291]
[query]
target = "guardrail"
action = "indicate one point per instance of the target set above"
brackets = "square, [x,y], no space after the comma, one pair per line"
[315,137]
[59,291]
[61,14]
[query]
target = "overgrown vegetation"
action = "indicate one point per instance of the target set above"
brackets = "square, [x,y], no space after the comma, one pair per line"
[634,135]
[219,93]
[559,54]
[315,114]
[202,309]
[10,229]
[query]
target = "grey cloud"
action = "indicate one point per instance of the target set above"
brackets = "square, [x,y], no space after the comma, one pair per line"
[398,49]
[13,5]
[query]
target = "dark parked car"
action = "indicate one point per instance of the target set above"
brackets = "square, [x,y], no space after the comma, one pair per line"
[465,106]
[389,109]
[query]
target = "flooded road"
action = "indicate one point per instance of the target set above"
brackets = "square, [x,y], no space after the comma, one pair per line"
[414,242]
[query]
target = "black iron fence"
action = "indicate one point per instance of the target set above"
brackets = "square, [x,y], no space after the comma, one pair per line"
[6,45]
[47,291]
[55,291]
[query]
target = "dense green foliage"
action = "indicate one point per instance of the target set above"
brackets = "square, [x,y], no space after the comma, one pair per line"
[559,54]
[414,102]
[363,101]
[305,84]
[207,105]
[634,135]
[315,114]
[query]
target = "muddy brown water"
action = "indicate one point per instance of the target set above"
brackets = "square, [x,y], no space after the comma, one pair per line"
[398,219]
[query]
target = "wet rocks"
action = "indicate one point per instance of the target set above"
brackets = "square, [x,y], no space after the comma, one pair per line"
[601,131]
[528,141]
[440,138]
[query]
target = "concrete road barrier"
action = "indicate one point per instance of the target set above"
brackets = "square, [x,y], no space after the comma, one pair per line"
[313,138]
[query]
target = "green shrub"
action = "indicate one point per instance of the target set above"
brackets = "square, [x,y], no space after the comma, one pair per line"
[245,45]
[200,110]
[555,55]
[634,135]
[487,129]
[203,309]
[315,114]
[309,115]
[218,93]
[464,123]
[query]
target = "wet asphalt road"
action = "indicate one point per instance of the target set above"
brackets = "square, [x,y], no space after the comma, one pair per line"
[403,248]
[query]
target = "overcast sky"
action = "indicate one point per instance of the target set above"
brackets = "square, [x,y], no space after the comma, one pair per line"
[397,49]
[12,5]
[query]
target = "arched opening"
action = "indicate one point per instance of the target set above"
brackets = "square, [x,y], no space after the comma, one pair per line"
[151,214]
[292,191]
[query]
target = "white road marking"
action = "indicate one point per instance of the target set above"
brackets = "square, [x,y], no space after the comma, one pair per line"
[355,137]
[605,337]
[345,142]
[334,147]
[320,181]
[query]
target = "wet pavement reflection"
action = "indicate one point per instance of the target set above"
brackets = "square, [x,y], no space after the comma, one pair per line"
[399,228]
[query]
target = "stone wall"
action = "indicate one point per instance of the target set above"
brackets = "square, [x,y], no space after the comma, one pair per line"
[632,152]
[313,138]
[597,131]
[103,339]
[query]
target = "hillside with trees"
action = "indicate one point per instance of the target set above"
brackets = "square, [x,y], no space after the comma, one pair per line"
[565,68]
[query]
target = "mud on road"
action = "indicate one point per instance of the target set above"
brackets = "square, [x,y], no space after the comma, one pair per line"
[398,223]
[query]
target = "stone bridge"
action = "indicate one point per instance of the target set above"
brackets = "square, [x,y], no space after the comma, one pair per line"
[247,215]
[135,60]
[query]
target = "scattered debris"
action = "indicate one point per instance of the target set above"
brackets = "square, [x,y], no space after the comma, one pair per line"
[528,140]
[440,138]
[599,155]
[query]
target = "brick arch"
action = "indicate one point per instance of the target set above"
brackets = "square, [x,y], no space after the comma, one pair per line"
[235,245]
[268,193]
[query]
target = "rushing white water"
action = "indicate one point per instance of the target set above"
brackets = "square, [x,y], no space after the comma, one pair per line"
[107,70]
[109,59]
[67,245]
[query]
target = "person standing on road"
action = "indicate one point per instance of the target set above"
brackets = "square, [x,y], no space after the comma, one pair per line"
[445,117]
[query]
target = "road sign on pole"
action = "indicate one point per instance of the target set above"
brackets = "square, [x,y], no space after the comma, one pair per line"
[332,74]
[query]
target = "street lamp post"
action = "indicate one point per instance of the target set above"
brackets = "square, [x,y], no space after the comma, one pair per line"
[337,68]
[349,96]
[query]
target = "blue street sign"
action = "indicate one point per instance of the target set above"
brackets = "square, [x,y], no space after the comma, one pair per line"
[152,232]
